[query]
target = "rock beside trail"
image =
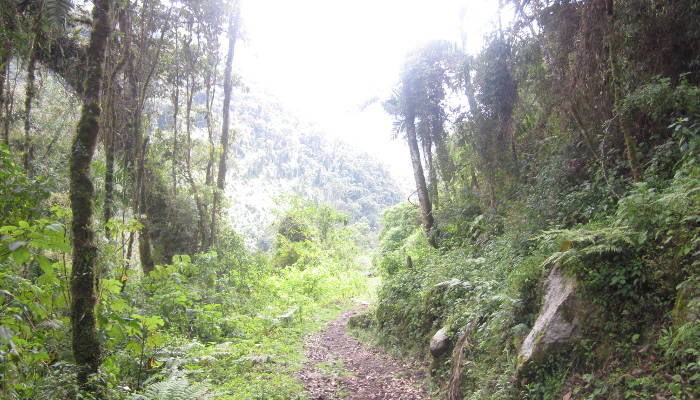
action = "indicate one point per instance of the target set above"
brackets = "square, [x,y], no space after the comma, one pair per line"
[558,323]
[440,343]
[686,307]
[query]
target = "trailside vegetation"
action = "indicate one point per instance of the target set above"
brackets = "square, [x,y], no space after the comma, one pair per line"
[569,143]
[574,142]
[120,274]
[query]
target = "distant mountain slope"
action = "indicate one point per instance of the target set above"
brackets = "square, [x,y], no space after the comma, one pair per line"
[275,153]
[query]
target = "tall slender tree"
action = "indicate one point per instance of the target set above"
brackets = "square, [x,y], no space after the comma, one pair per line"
[86,345]
[228,85]
[403,105]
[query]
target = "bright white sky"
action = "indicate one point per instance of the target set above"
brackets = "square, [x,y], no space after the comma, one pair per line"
[323,59]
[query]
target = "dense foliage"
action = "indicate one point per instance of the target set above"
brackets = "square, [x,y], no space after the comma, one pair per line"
[121,275]
[227,319]
[576,146]
[571,141]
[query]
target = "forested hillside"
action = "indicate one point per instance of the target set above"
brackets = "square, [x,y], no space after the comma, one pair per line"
[555,250]
[277,154]
[125,133]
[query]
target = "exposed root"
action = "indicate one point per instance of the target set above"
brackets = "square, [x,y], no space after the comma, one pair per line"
[459,354]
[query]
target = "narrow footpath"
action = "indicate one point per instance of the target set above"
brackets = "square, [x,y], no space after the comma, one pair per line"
[340,367]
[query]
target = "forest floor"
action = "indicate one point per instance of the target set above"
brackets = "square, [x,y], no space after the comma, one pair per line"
[340,367]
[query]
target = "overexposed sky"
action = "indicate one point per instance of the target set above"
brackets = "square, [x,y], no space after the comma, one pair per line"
[323,59]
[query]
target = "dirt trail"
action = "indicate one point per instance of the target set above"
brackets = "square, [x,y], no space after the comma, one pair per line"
[339,367]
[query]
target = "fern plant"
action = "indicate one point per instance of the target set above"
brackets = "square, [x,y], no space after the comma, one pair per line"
[55,13]
[580,244]
[176,387]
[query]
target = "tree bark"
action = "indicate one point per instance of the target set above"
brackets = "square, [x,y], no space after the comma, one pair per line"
[4,68]
[176,111]
[432,172]
[9,103]
[136,150]
[138,88]
[426,212]
[86,346]
[445,164]
[145,251]
[109,138]
[630,143]
[221,178]
[30,91]
[190,89]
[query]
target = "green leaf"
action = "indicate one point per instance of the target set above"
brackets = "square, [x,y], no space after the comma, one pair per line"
[116,332]
[134,347]
[54,245]
[155,339]
[152,323]
[7,229]
[118,305]
[21,255]
[642,237]
[45,264]
[111,285]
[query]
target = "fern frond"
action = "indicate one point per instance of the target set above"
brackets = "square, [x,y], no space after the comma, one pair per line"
[56,12]
[588,242]
[176,387]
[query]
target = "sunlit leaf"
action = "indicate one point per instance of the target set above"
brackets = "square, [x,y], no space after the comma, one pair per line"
[21,255]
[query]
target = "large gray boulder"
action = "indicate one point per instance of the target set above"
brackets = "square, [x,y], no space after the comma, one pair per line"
[558,323]
[440,343]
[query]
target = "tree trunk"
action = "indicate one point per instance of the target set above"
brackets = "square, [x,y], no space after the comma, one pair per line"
[471,97]
[145,251]
[109,138]
[445,164]
[426,212]
[86,346]
[432,173]
[201,221]
[4,68]
[109,168]
[210,82]
[30,91]
[9,101]
[630,143]
[138,85]
[176,110]
[221,178]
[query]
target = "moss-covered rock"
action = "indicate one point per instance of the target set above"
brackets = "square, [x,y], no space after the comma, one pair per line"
[558,324]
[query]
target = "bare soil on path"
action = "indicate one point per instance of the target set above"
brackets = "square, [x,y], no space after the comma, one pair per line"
[340,367]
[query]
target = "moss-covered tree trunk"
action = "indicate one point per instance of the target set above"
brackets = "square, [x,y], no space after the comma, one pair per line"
[622,124]
[30,91]
[136,154]
[426,212]
[86,346]
[221,178]
[145,250]
[4,68]
[176,111]
[190,89]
